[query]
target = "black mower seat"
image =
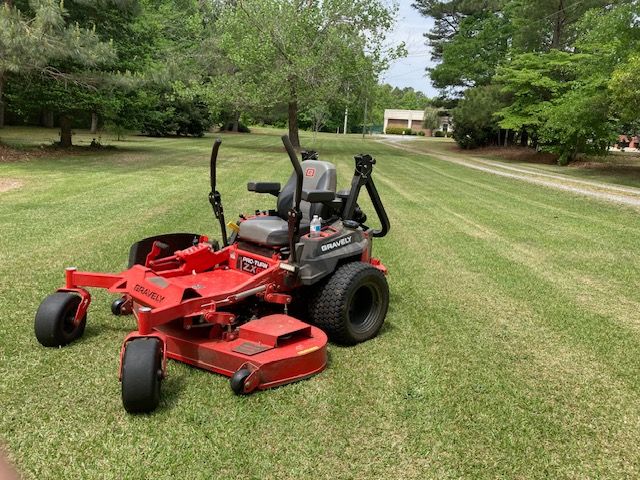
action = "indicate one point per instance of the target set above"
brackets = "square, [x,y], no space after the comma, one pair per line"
[273,231]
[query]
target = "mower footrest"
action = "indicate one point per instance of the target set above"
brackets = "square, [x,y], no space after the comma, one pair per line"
[274,330]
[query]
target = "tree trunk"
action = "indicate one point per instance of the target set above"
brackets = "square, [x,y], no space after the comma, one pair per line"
[236,123]
[1,99]
[293,123]
[65,131]
[558,26]
[94,122]
[524,138]
[511,135]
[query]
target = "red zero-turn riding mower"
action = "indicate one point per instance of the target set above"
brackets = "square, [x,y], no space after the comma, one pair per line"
[226,310]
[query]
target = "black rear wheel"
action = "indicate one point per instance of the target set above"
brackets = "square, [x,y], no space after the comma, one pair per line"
[55,320]
[351,304]
[141,375]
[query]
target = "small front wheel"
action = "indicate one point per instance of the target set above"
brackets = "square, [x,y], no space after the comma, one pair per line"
[55,324]
[118,307]
[141,375]
[238,381]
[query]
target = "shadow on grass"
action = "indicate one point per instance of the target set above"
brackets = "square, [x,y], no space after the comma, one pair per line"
[172,387]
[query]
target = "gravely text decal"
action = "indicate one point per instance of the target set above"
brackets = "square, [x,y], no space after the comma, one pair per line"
[149,293]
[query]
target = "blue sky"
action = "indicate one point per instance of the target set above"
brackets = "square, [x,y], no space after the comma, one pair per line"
[410,71]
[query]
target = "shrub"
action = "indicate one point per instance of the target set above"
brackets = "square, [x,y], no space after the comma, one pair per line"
[439,134]
[421,133]
[398,131]
[178,117]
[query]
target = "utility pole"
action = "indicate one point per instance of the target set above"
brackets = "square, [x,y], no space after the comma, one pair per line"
[364,122]
[346,116]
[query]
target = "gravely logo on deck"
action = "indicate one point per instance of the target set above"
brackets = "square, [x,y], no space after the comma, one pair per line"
[148,293]
[337,244]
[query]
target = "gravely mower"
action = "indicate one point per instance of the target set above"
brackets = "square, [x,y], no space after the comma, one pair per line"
[227,309]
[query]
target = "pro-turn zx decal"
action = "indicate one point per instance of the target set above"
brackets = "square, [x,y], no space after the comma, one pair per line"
[252,266]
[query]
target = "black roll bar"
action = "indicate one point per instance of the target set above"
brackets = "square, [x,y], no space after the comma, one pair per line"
[363,177]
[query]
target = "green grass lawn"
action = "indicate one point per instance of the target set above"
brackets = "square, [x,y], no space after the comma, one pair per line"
[511,348]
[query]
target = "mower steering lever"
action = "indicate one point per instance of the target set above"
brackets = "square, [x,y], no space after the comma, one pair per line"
[215,199]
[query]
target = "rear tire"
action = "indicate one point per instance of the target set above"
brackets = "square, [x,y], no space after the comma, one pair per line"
[54,323]
[351,305]
[141,375]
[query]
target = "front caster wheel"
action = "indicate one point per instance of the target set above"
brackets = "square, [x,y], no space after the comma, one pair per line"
[119,307]
[55,320]
[238,380]
[141,375]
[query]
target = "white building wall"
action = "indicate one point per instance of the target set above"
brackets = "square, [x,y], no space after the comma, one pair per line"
[413,115]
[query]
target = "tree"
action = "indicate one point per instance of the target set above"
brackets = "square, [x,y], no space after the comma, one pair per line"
[471,38]
[296,52]
[470,58]
[533,81]
[562,97]
[448,15]
[47,50]
[625,92]
[548,24]
[27,42]
[431,120]
[475,117]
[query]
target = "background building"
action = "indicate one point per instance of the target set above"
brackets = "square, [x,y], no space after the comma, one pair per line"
[413,119]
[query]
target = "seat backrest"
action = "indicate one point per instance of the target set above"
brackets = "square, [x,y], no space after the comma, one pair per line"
[317,175]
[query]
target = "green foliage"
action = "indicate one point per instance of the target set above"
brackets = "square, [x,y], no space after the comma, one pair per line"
[577,123]
[472,55]
[476,124]
[625,91]
[566,69]
[439,134]
[562,97]
[178,116]
[431,119]
[301,55]
[532,81]
[543,25]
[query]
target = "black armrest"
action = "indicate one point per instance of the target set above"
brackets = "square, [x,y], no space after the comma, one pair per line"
[264,187]
[317,196]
